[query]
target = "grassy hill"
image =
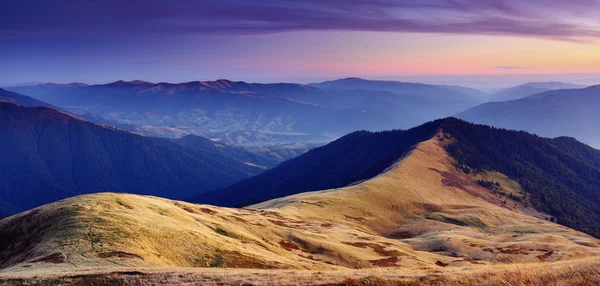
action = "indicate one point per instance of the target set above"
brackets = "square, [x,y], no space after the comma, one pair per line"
[559,176]
[421,216]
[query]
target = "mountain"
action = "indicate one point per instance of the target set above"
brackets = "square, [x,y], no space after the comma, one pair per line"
[352,158]
[530,88]
[7,96]
[422,215]
[457,94]
[569,112]
[257,115]
[48,155]
[559,177]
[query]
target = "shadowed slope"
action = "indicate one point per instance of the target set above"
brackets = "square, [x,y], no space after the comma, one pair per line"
[47,155]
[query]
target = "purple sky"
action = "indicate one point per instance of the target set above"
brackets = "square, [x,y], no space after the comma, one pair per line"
[302,41]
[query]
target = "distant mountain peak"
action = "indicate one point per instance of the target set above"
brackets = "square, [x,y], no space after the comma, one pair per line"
[551,85]
[71,84]
[126,83]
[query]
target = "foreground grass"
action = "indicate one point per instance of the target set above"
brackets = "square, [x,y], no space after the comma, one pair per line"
[582,272]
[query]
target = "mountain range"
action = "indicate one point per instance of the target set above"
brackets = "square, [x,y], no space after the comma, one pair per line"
[252,114]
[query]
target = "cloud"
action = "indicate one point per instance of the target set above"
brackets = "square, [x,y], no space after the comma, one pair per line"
[573,20]
[511,68]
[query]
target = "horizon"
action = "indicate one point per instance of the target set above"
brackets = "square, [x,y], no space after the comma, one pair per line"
[487,84]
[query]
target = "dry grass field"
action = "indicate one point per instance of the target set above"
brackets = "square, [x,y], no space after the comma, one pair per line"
[421,222]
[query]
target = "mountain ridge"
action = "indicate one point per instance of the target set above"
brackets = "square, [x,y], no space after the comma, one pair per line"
[50,155]
[533,161]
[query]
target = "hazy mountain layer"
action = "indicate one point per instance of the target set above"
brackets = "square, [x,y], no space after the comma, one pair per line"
[258,114]
[531,88]
[571,112]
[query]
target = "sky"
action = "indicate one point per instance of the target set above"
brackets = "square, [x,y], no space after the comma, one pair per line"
[483,44]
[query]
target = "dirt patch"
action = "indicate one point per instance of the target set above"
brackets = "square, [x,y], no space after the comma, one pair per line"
[512,250]
[282,223]
[56,257]
[295,221]
[187,208]
[386,262]
[119,254]
[451,179]
[289,246]
[359,219]
[470,260]
[403,234]
[208,211]
[326,225]
[442,264]
[545,256]
[379,249]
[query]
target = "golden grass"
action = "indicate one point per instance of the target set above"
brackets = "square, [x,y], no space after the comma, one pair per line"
[577,272]
[421,220]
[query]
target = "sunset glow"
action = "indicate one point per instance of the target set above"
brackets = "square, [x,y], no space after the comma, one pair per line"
[321,40]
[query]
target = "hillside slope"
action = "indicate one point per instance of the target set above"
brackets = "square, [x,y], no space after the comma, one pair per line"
[354,157]
[47,155]
[559,176]
[422,214]
[7,96]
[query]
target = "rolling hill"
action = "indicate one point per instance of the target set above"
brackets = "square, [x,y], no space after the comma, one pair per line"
[422,216]
[559,176]
[569,112]
[531,88]
[257,115]
[48,155]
